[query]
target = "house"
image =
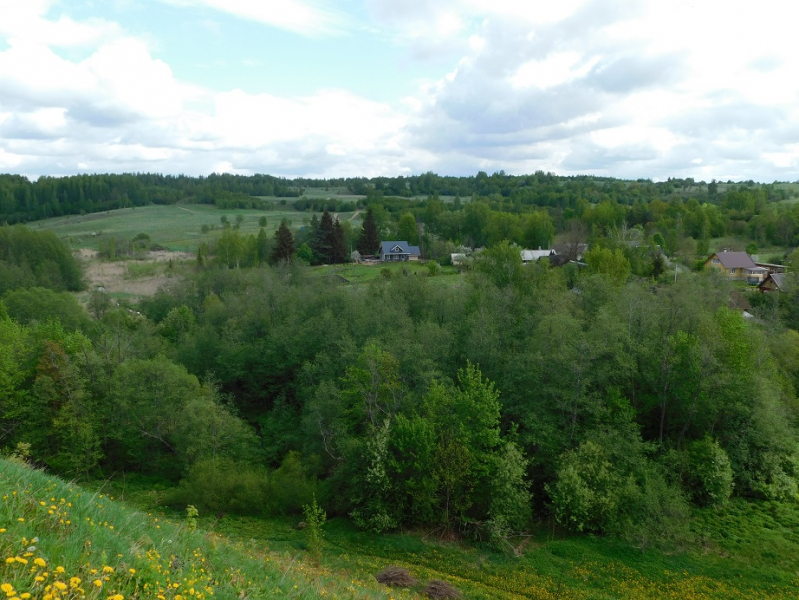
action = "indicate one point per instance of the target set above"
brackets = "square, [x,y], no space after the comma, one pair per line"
[398,251]
[738,266]
[572,250]
[774,282]
[529,256]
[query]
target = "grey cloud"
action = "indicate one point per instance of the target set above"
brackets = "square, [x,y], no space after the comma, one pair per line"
[625,74]
[727,115]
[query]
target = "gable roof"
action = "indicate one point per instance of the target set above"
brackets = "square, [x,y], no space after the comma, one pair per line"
[735,260]
[397,247]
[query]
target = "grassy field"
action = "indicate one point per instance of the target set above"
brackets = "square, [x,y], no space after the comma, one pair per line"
[176,227]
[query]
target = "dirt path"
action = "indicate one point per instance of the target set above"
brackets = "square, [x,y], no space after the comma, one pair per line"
[357,212]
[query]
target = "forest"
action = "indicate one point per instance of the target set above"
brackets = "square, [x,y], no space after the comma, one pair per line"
[611,399]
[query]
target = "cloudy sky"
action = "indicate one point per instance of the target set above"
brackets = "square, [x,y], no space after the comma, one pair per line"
[323,88]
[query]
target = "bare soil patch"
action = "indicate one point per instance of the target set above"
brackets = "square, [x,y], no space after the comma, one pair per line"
[111,276]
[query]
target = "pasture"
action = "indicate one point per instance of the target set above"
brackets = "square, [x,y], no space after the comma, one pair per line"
[176,227]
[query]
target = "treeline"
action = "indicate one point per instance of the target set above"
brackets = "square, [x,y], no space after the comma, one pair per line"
[22,200]
[609,403]
[29,259]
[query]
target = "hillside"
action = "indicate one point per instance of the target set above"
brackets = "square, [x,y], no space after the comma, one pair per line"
[60,541]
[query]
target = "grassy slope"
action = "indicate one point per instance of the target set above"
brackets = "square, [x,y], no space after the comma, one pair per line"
[58,539]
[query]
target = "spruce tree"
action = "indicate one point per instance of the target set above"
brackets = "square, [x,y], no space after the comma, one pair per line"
[369,241]
[262,247]
[284,244]
[323,240]
[338,250]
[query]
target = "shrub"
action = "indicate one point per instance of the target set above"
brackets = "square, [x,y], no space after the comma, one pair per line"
[315,518]
[708,472]
[222,485]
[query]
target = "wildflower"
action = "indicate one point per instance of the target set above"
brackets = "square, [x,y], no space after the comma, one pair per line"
[98,583]
[74,582]
[107,569]
[19,559]
[132,571]
[60,585]
[59,570]
[7,588]
[39,562]
[10,559]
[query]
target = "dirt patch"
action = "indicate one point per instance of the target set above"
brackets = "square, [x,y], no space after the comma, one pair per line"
[111,276]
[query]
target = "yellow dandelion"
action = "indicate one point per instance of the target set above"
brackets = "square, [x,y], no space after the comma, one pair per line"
[60,585]
[39,562]
[98,583]
[60,570]
[132,571]
[7,588]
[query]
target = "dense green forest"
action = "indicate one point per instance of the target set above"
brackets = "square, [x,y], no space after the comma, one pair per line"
[607,400]
[476,211]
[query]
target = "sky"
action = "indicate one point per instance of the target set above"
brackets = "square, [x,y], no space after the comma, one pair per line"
[707,89]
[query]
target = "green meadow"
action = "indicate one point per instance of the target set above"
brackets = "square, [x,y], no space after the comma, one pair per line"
[175,227]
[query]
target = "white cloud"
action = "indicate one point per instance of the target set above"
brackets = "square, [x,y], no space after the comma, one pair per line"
[305,17]
[25,20]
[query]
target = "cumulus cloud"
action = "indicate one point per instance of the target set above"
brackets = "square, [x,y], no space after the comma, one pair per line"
[628,88]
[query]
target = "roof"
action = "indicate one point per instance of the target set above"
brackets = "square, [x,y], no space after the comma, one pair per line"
[530,255]
[397,247]
[735,260]
[777,278]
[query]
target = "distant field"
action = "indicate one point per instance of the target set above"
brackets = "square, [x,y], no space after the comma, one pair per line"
[176,227]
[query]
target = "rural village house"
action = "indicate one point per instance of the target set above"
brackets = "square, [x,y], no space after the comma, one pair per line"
[738,266]
[774,282]
[398,251]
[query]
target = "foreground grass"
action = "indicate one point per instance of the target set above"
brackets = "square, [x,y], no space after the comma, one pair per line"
[58,541]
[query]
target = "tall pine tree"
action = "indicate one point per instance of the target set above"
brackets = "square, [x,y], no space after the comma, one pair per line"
[369,241]
[284,244]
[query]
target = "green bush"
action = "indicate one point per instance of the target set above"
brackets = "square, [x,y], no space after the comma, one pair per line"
[708,472]
[222,485]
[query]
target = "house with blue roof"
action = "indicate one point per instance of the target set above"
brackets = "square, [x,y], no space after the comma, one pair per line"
[398,251]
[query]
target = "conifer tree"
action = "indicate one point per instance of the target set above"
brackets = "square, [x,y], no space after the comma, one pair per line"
[262,247]
[284,244]
[322,242]
[369,241]
[338,246]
